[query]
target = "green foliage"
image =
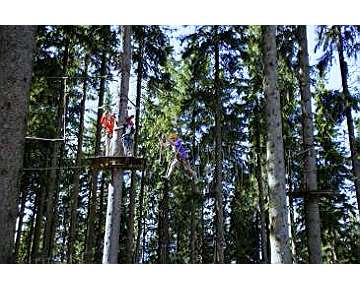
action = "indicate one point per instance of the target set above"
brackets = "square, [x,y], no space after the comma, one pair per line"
[178,95]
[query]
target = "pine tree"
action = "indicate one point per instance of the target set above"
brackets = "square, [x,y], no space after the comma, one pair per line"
[279,235]
[78,162]
[16,52]
[112,229]
[331,38]
[104,56]
[312,215]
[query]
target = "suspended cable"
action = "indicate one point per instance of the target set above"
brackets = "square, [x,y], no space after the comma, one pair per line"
[80,77]
[44,139]
[52,168]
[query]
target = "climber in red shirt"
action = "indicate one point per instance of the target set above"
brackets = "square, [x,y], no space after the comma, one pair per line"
[107,120]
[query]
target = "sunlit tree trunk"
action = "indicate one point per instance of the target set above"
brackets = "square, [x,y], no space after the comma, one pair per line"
[16,57]
[112,227]
[100,223]
[312,215]
[23,198]
[278,212]
[259,179]
[28,238]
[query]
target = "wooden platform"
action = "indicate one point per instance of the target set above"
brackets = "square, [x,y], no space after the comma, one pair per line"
[107,162]
[314,193]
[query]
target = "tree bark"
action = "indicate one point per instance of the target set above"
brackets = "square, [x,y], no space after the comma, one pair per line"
[259,174]
[76,182]
[348,111]
[112,228]
[23,198]
[218,157]
[52,199]
[22,202]
[278,212]
[90,235]
[101,215]
[141,215]
[16,56]
[312,215]
[39,208]
[163,227]
[29,238]
[130,238]
[194,201]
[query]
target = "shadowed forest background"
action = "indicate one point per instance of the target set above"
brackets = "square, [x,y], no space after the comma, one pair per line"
[274,146]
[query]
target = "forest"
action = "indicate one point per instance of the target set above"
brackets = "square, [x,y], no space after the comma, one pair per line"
[207,144]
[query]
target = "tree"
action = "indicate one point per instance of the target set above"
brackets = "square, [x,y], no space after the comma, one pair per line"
[91,222]
[130,239]
[76,182]
[331,38]
[16,53]
[218,156]
[312,216]
[57,155]
[279,234]
[259,179]
[112,228]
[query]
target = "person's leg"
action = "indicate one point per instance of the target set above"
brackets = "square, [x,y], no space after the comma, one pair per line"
[171,168]
[108,145]
[124,143]
[188,168]
[130,146]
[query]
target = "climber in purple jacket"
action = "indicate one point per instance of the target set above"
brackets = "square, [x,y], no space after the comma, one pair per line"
[181,156]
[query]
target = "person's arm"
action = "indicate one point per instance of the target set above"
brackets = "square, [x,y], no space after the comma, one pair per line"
[170,142]
[117,128]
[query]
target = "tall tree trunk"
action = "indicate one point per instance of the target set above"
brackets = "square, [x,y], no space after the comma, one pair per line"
[112,228]
[218,157]
[52,199]
[141,215]
[312,215]
[16,55]
[39,211]
[292,215]
[90,235]
[22,202]
[63,244]
[259,179]
[101,216]
[143,240]
[194,201]
[350,123]
[163,227]
[278,212]
[130,238]
[20,221]
[29,238]
[76,182]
